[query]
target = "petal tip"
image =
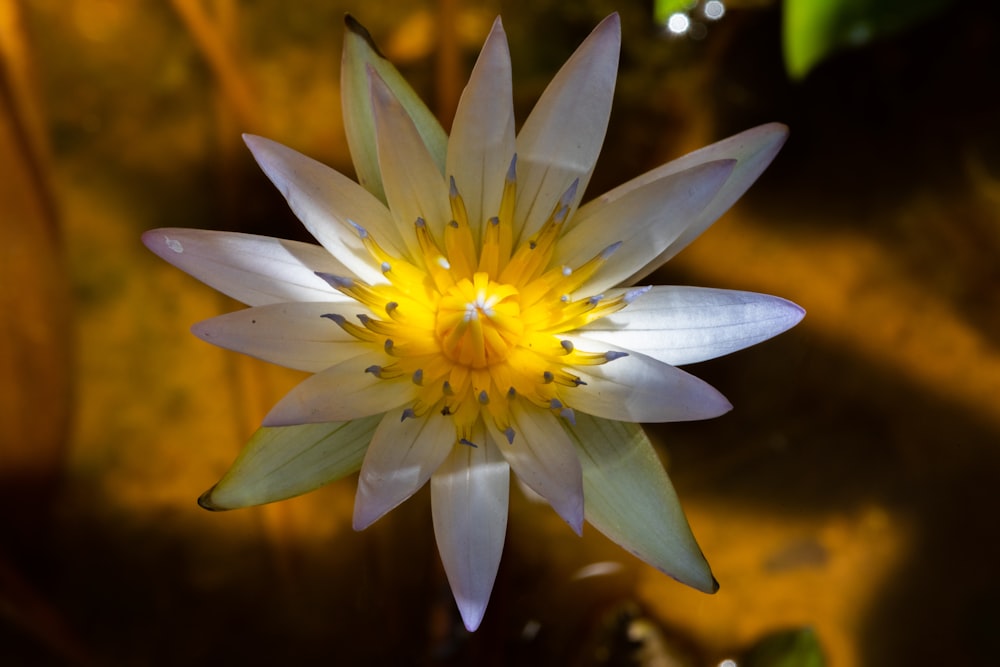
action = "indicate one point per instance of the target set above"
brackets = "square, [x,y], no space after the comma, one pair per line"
[354,27]
[205,501]
[472,613]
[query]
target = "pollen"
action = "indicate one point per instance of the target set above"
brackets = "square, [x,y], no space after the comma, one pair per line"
[474,326]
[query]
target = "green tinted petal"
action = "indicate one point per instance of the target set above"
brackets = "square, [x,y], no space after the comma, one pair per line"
[628,497]
[287,461]
[360,53]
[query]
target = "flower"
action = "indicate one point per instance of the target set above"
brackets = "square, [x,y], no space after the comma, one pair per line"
[465,316]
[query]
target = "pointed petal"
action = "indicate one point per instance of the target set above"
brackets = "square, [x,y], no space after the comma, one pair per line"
[753,151]
[482,135]
[342,392]
[280,463]
[327,202]
[360,54]
[646,221]
[294,335]
[637,388]
[403,455]
[414,186]
[561,139]
[255,270]
[469,495]
[631,500]
[543,457]
[684,325]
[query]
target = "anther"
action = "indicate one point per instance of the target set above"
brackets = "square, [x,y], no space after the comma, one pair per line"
[469,443]
[511,393]
[362,232]
[386,267]
[567,345]
[611,355]
[445,411]
[555,404]
[418,376]
[339,319]
[375,370]
[484,398]
[610,250]
[391,306]
[337,282]
[407,414]
[512,169]
[568,415]
[509,433]
[446,389]
[635,293]
[388,346]
[548,377]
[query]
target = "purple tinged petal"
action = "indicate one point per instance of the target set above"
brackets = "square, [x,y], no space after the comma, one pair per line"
[401,458]
[294,335]
[414,185]
[562,137]
[469,499]
[341,393]
[327,202]
[481,146]
[543,457]
[646,220]
[684,325]
[638,388]
[256,270]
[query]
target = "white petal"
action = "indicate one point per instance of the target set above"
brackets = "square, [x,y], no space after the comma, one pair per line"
[684,325]
[646,220]
[280,463]
[360,53]
[413,185]
[543,457]
[342,392]
[402,456]
[482,135]
[561,139]
[255,270]
[294,335]
[637,388]
[753,151]
[327,202]
[469,495]
[631,500]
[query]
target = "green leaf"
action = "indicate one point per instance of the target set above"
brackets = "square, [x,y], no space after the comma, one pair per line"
[814,29]
[287,461]
[628,497]
[360,53]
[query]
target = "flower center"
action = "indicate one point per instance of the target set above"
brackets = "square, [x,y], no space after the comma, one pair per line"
[475,324]
[478,321]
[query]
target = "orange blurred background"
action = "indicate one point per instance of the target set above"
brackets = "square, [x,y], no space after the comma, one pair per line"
[850,492]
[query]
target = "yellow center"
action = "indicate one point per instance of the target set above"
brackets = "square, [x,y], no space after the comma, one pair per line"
[479,322]
[476,324]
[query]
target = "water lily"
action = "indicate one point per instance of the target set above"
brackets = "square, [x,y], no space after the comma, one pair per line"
[465,316]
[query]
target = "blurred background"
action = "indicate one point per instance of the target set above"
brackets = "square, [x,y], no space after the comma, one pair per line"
[847,504]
